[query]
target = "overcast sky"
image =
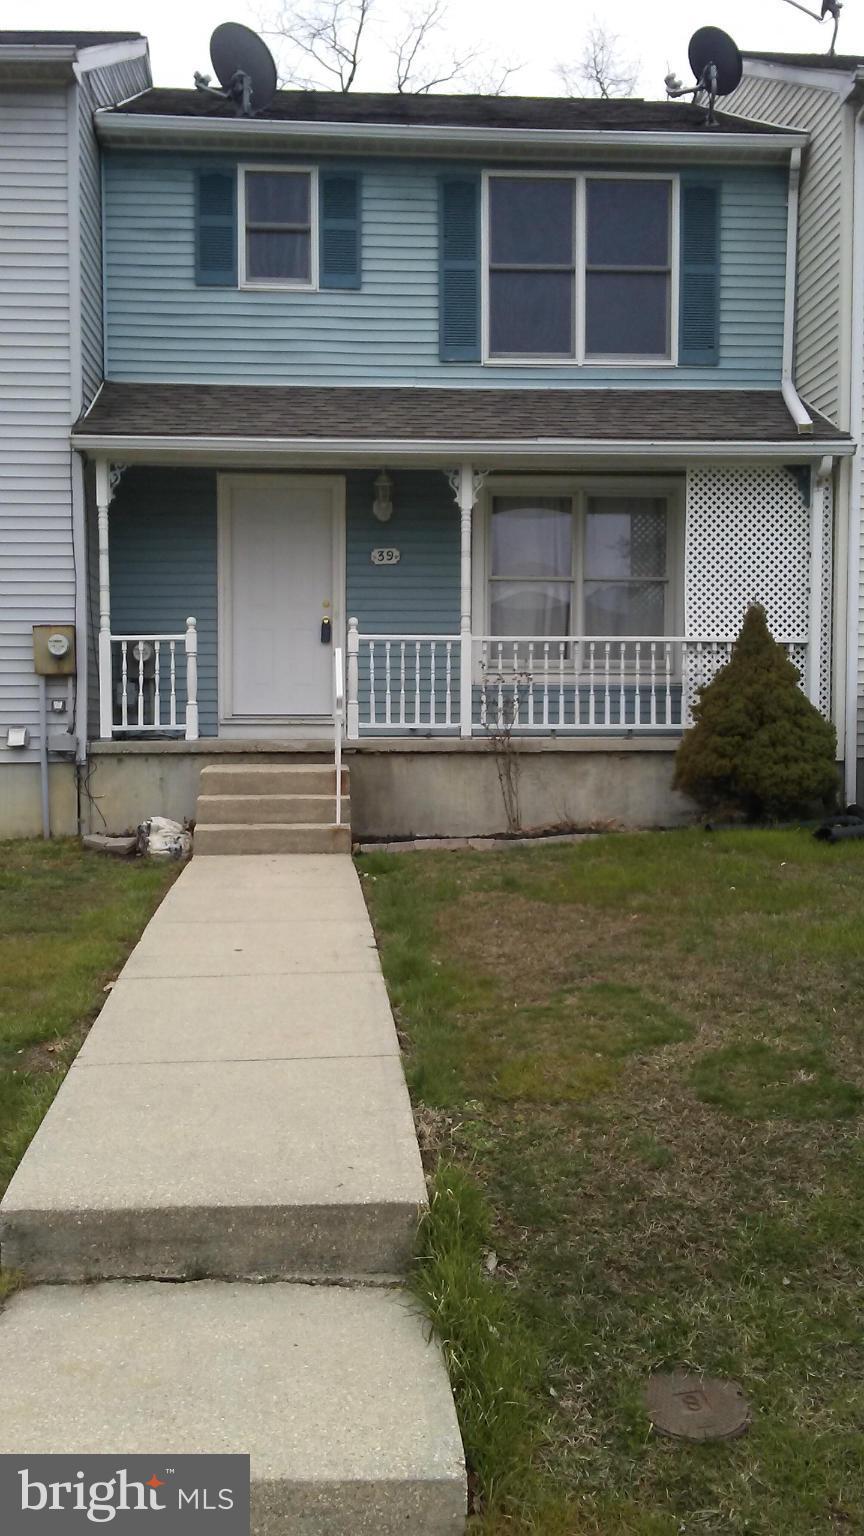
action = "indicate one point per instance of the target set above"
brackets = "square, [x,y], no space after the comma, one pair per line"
[535,33]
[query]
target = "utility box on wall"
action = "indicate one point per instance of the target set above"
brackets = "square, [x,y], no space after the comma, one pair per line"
[54,650]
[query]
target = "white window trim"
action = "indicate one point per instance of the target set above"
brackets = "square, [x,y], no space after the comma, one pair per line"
[294,285]
[580,487]
[580,358]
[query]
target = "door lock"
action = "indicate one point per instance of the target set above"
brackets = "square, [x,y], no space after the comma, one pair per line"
[326,628]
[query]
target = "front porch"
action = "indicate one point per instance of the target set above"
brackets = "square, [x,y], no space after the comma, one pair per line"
[288,571]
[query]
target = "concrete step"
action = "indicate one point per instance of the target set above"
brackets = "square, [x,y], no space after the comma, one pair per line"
[335,1393]
[271,779]
[231,1169]
[271,837]
[252,810]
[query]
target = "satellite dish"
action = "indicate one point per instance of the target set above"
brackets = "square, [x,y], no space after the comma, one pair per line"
[717,66]
[244,68]
[713,50]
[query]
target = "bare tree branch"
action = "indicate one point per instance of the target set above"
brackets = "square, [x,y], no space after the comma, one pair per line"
[414,70]
[602,70]
[492,80]
[326,34]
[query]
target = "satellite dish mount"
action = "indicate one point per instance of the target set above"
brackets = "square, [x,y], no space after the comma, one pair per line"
[716,64]
[244,68]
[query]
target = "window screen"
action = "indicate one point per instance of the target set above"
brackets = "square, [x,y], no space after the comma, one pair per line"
[278,227]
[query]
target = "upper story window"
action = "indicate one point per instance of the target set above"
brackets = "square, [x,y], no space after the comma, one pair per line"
[580,267]
[277,228]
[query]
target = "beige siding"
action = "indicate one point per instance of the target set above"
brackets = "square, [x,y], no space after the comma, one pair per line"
[821,266]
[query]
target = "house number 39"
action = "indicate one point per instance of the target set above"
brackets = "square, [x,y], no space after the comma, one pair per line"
[386,556]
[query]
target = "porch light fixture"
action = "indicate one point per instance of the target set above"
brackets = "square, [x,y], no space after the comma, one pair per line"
[382,505]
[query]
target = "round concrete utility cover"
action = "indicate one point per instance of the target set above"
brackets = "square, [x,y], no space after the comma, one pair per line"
[696,1407]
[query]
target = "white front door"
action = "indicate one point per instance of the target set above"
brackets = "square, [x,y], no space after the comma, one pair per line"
[279,539]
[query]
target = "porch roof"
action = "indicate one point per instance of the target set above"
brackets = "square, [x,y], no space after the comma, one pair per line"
[142,419]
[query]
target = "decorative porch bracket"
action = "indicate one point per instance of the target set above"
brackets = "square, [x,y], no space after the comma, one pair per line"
[466,484]
[820,480]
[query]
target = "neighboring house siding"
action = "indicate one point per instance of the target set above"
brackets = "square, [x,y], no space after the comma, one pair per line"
[98,88]
[160,326]
[824,299]
[37,577]
[821,272]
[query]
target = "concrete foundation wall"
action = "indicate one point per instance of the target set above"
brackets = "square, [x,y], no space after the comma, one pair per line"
[424,789]
[21,800]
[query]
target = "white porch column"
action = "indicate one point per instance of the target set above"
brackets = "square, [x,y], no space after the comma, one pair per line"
[466,488]
[103,501]
[352,717]
[191,648]
[821,480]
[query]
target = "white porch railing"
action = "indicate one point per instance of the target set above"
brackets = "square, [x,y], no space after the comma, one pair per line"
[403,682]
[577,683]
[152,686]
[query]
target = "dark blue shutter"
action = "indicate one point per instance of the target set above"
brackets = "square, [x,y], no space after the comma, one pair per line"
[459,269]
[216,228]
[699,298]
[339,230]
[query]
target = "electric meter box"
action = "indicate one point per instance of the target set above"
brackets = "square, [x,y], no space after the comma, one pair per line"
[54,649]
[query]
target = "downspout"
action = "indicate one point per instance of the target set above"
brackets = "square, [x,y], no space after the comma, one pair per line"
[794,404]
[856,407]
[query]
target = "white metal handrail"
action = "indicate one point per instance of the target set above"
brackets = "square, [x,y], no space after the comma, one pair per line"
[338,720]
[153,688]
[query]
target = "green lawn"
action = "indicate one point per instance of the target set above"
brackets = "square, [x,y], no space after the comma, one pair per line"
[68,919]
[638,1071]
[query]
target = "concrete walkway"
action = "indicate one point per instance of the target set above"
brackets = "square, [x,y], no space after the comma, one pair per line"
[238,1112]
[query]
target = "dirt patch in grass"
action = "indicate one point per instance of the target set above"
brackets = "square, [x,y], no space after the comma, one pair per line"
[646,1053]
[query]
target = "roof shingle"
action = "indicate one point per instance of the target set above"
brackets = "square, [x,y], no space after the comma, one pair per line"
[433,111]
[76,39]
[294,413]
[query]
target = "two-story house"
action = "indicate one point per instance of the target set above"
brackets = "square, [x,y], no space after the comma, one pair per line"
[51,365]
[492,395]
[823,95]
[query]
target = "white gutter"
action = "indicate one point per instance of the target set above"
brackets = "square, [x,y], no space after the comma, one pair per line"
[99,55]
[374,449]
[853,535]
[794,404]
[33,53]
[118,127]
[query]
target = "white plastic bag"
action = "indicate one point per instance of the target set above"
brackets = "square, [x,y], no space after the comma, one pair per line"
[161,838]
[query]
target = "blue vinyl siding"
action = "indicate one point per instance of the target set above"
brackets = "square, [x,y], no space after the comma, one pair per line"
[163,567]
[420,595]
[161,326]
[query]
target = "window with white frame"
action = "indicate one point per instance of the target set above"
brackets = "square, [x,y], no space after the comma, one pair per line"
[277,244]
[580,267]
[594,563]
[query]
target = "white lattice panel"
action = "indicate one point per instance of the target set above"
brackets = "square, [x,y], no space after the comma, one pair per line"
[746,542]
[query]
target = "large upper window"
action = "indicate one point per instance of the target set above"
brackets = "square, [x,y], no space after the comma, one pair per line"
[580,267]
[590,563]
[277,233]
